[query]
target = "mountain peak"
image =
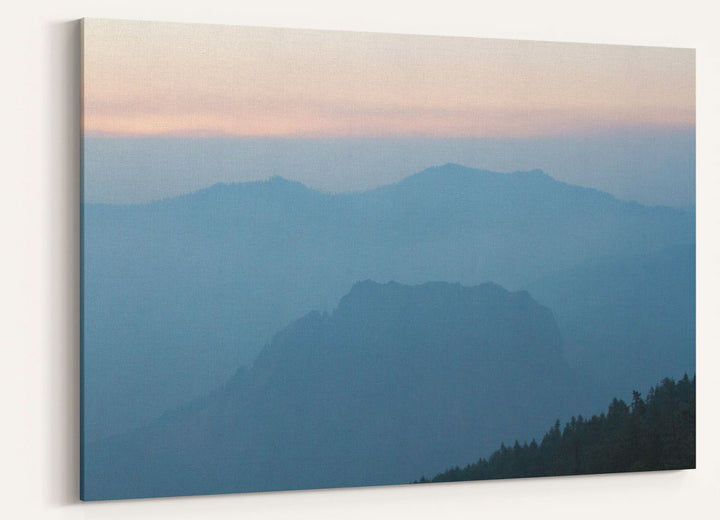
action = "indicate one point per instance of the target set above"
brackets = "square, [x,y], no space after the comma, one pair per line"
[274,185]
[377,393]
[277,180]
[457,174]
[534,172]
[452,169]
[369,293]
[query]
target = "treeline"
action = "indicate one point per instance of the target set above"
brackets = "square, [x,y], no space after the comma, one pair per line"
[652,434]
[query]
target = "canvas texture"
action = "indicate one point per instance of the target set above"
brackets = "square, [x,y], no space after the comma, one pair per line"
[318,259]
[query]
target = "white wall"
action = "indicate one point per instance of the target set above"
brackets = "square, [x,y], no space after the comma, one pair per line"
[39,240]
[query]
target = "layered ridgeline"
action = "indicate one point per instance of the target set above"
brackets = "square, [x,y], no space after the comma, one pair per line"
[397,381]
[177,293]
[626,320]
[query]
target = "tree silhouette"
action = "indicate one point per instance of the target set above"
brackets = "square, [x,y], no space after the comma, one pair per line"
[653,434]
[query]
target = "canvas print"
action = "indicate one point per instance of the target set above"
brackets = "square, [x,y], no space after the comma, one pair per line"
[319,259]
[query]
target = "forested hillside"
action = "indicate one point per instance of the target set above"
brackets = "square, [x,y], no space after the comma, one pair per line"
[653,434]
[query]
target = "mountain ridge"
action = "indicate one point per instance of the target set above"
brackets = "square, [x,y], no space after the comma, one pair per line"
[191,288]
[447,170]
[357,398]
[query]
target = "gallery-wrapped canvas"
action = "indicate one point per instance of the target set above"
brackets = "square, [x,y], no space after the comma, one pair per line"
[317,259]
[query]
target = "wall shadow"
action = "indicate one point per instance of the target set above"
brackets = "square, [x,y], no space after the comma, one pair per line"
[62,51]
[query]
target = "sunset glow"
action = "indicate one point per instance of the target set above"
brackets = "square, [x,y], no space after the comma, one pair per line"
[143,79]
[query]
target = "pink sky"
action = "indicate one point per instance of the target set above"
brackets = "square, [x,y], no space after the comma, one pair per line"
[147,78]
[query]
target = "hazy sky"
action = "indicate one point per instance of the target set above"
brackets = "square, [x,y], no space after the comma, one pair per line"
[146,79]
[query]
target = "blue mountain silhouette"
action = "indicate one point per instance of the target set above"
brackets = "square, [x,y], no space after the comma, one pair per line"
[178,293]
[398,379]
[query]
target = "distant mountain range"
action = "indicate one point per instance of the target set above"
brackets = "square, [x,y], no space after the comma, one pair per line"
[178,293]
[397,381]
[626,321]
